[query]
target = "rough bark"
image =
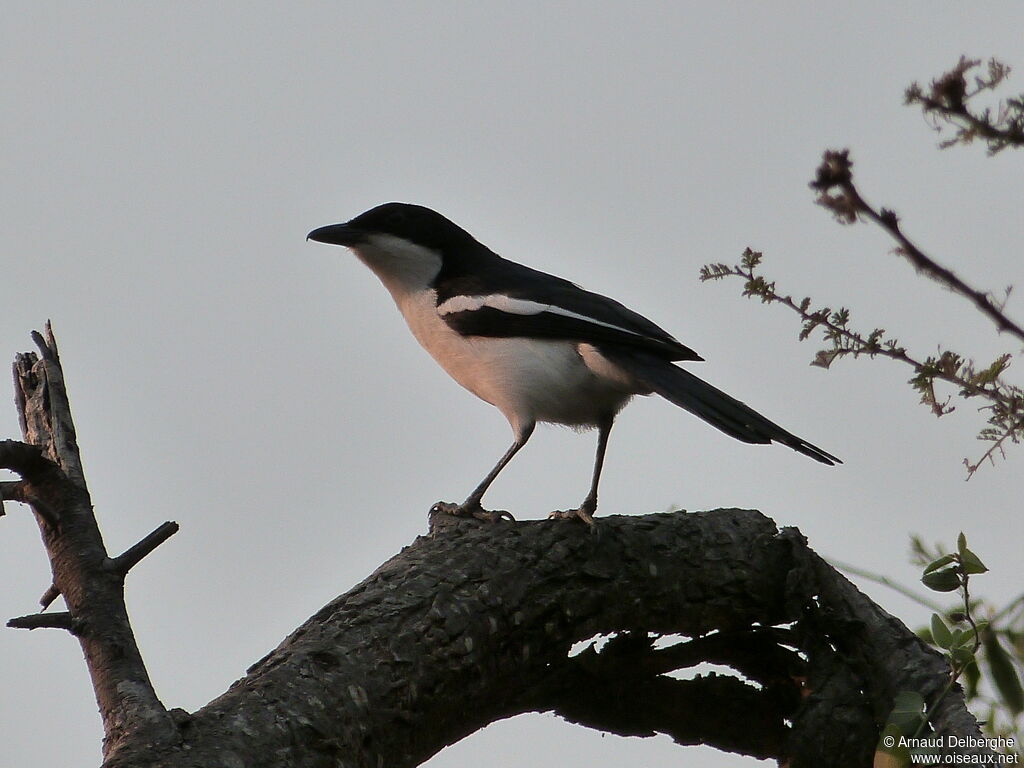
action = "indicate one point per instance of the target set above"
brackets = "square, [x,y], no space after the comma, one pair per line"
[477,622]
[91,582]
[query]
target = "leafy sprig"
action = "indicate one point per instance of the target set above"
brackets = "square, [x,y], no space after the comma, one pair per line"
[947,102]
[1004,400]
[950,102]
[966,641]
[951,572]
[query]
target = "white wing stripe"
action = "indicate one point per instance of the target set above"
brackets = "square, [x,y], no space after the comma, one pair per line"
[504,303]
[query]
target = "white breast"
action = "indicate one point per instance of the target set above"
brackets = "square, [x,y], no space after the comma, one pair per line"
[528,380]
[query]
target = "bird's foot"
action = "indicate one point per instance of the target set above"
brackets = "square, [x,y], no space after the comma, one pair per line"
[472,509]
[584,513]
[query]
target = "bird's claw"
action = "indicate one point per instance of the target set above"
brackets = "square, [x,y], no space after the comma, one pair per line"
[568,514]
[472,510]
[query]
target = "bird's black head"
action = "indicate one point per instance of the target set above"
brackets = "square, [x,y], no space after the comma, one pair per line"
[415,223]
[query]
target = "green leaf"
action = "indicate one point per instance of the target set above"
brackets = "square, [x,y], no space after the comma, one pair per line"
[947,580]
[971,677]
[907,712]
[961,637]
[934,565]
[961,543]
[1004,675]
[962,656]
[940,632]
[825,357]
[990,374]
[971,562]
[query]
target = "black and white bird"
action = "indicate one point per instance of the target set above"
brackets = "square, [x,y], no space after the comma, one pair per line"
[536,347]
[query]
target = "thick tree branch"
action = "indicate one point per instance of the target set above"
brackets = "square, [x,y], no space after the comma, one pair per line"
[719,711]
[624,689]
[476,623]
[54,484]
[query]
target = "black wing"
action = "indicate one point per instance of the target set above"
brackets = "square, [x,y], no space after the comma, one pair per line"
[573,313]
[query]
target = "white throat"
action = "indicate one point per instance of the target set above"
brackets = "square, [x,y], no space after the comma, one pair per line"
[404,267]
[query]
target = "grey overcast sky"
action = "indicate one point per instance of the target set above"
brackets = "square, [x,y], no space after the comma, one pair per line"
[164,161]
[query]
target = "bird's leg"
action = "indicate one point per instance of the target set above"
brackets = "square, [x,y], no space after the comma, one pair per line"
[472,507]
[585,511]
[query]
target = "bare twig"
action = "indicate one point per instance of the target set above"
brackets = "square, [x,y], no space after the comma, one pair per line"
[1009,433]
[59,620]
[835,173]
[46,345]
[51,594]
[131,556]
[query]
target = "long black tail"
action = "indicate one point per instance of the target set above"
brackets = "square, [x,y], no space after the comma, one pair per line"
[711,404]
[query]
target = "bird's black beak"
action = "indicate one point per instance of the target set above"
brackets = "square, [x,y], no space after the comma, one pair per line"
[337,234]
